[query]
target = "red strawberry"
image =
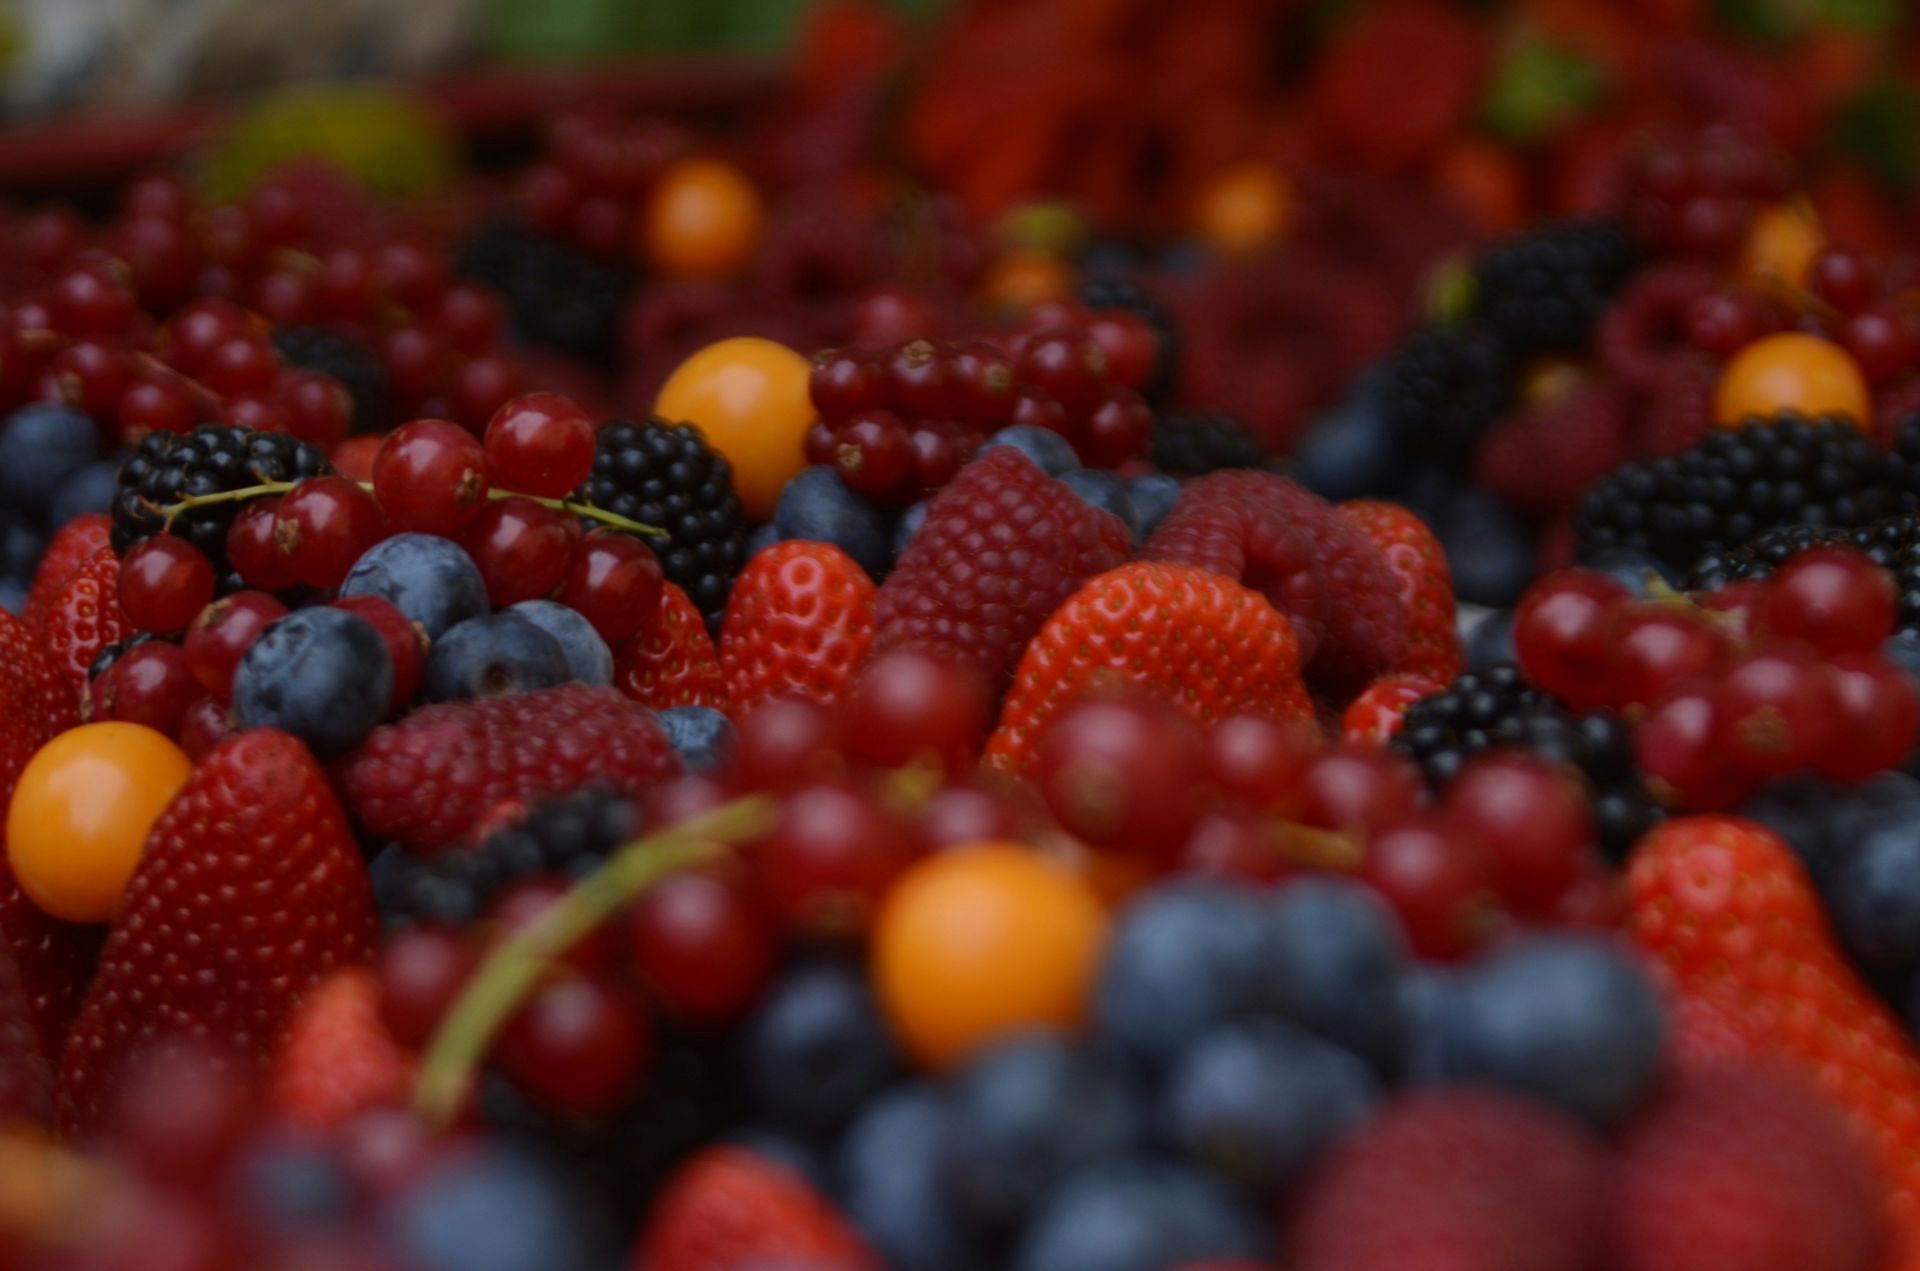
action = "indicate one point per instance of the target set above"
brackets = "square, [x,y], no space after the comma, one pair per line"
[428,779]
[672,661]
[71,548]
[1542,458]
[337,1058]
[799,620]
[250,888]
[1455,1180]
[26,1080]
[1212,646]
[1001,547]
[1727,909]
[1314,565]
[85,617]
[1745,1168]
[729,1209]
[1426,586]
[1377,714]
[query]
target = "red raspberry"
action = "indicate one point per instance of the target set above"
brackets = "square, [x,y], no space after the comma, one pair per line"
[1680,408]
[1541,460]
[1646,326]
[1311,563]
[1002,546]
[428,779]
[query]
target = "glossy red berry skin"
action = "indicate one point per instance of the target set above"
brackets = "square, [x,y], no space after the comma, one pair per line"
[206,724]
[1834,598]
[1437,880]
[1876,717]
[845,382]
[873,451]
[150,685]
[164,583]
[95,299]
[983,384]
[908,707]
[1655,646]
[163,403]
[318,407]
[1358,790]
[1067,366]
[703,945]
[830,859]
[1773,710]
[243,363]
[430,477]
[541,444]
[1676,747]
[1123,773]
[1116,428]
[957,814]
[251,550]
[321,528]
[1261,760]
[614,581]
[221,635]
[1532,821]
[1845,280]
[785,743]
[421,970]
[917,380]
[526,901]
[1560,633]
[522,549]
[577,1047]
[406,643]
[1130,346]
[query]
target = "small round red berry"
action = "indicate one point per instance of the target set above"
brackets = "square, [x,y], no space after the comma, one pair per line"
[321,528]
[223,632]
[845,382]
[319,408]
[94,299]
[703,945]
[251,550]
[162,403]
[1438,880]
[1560,634]
[983,389]
[785,742]
[1131,346]
[430,477]
[1843,279]
[521,548]
[540,444]
[421,970]
[406,642]
[960,813]
[526,901]
[917,380]
[1876,717]
[1123,773]
[1530,818]
[577,1047]
[831,857]
[242,363]
[1676,746]
[873,451]
[206,724]
[614,581]
[1260,760]
[1773,709]
[1656,646]
[1358,789]
[908,707]
[1067,366]
[1116,428]
[150,685]
[1834,598]
[164,583]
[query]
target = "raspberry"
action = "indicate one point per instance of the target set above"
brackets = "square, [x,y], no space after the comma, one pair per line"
[1646,327]
[1541,460]
[428,779]
[1310,563]
[1680,409]
[1001,547]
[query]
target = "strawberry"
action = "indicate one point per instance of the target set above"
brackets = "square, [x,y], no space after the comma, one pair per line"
[1426,586]
[26,1081]
[75,544]
[799,620]
[671,662]
[336,1058]
[250,887]
[84,617]
[1377,714]
[1211,645]
[730,1209]
[1728,911]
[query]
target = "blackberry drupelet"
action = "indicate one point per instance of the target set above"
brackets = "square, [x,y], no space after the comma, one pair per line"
[1445,386]
[1892,544]
[567,836]
[1194,445]
[1738,483]
[347,358]
[168,467]
[1499,706]
[1542,292]
[1114,291]
[556,295]
[667,475]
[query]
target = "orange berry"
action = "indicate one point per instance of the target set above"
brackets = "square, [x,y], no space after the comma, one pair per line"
[1244,208]
[981,941]
[1781,244]
[81,813]
[1020,280]
[1792,371]
[749,397]
[703,220]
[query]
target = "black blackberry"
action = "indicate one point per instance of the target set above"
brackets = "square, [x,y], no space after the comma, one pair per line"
[555,294]
[1893,544]
[1500,707]
[1115,291]
[1192,445]
[1445,386]
[667,475]
[168,467]
[1542,291]
[568,836]
[347,358]
[1735,484]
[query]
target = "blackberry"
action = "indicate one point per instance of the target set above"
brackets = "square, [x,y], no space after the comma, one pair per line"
[1542,292]
[1892,544]
[1114,291]
[168,467]
[1194,445]
[1736,484]
[1445,386]
[1499,706]
[555,294]
[667,475]
[568,836]
[347,358]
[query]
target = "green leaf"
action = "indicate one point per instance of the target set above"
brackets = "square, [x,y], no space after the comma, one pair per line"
[1863,17]
[1539,86]
[1881,128]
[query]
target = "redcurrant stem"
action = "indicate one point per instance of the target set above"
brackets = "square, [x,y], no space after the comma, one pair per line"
[245,493]
[515,965]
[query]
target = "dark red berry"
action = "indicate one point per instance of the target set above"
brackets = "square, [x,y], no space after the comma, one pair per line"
[614,580]
[406,643]
[251,550]
[150,685]
[221,635]
[1531,820]
[540,444]
[1437,880]
[1834,598]
[321,528]
[164,583]
[703,945]
[577,1047]
[430,477]
[522,549]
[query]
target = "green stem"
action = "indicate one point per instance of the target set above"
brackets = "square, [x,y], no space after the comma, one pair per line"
[265,488]
[515,965]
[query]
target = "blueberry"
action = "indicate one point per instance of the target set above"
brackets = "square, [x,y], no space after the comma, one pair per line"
[1488,549]
[1183,958]
[761,539]
[491,1210]
[1051,452]
[888,1178]
[20,548]
[1106,491]
[1824,823]
[1490,641]
[13,595]
[292,1184]
[1259,1101]
[784,1149]
[431,580]
[1874,897]
[1139,1215]
[1348,453]
[1153,495]
[1025,1115]
[815,1050]
[89,490]
[41,446]
[908,525]
[322,674]
[818,505]
[1636,571]
[700,735]
[486,657]
[1572,1020]
[1341,958]
[589,660]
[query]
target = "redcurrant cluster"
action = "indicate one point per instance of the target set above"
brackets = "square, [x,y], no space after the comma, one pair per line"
[1757,680]
[1695,195]
[589,187]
